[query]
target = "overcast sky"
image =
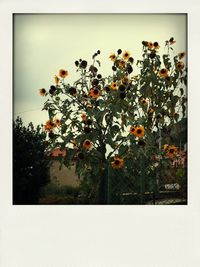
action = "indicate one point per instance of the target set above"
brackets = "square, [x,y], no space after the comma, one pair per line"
[43,44]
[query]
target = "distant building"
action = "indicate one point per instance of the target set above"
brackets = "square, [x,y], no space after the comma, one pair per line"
[62,175]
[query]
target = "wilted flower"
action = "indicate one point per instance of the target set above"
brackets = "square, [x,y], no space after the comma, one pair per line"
[56,79]
[42,92]
[179,65]
[181,55]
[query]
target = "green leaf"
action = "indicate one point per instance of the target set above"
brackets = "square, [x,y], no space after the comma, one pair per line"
[114,129]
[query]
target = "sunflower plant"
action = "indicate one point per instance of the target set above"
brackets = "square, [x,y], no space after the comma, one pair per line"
[119,129]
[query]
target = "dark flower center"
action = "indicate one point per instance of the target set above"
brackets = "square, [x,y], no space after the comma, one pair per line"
[163,71]
[119,51]
[80,156]
[107,89]
[139,131]
[87,143]
[96,91]
[63,72]
[117,162]
[171,151]
[122,88]
[156,44]
[141,142]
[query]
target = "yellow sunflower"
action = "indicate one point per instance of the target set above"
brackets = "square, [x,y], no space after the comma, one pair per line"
[113,86]
[87,144]
[117,162]
[126,55]
[63,73]
[171,151]
[179,65]
[163,73]
[42,92]
[112,57]
[139,131]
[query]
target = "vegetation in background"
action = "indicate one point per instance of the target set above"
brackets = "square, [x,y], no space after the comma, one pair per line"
[30,164]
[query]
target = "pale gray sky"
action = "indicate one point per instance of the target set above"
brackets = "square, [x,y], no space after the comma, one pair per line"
[43,44]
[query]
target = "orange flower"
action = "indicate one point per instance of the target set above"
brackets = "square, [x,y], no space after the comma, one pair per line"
[163,73]
[113,86]
[95,93]
[126,55]
[117,162]
[42,92]
[171,151]
[56,79]
[63,73]
[112,57]
[139,131]
[87,144]
[49,126]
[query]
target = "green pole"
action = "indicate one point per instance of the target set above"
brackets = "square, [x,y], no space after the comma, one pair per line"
[108,186]
[141,181]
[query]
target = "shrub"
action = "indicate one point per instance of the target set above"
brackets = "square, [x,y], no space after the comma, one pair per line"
[30,164]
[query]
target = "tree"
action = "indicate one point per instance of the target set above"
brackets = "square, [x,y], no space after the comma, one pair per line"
[116,124]
[30,164]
